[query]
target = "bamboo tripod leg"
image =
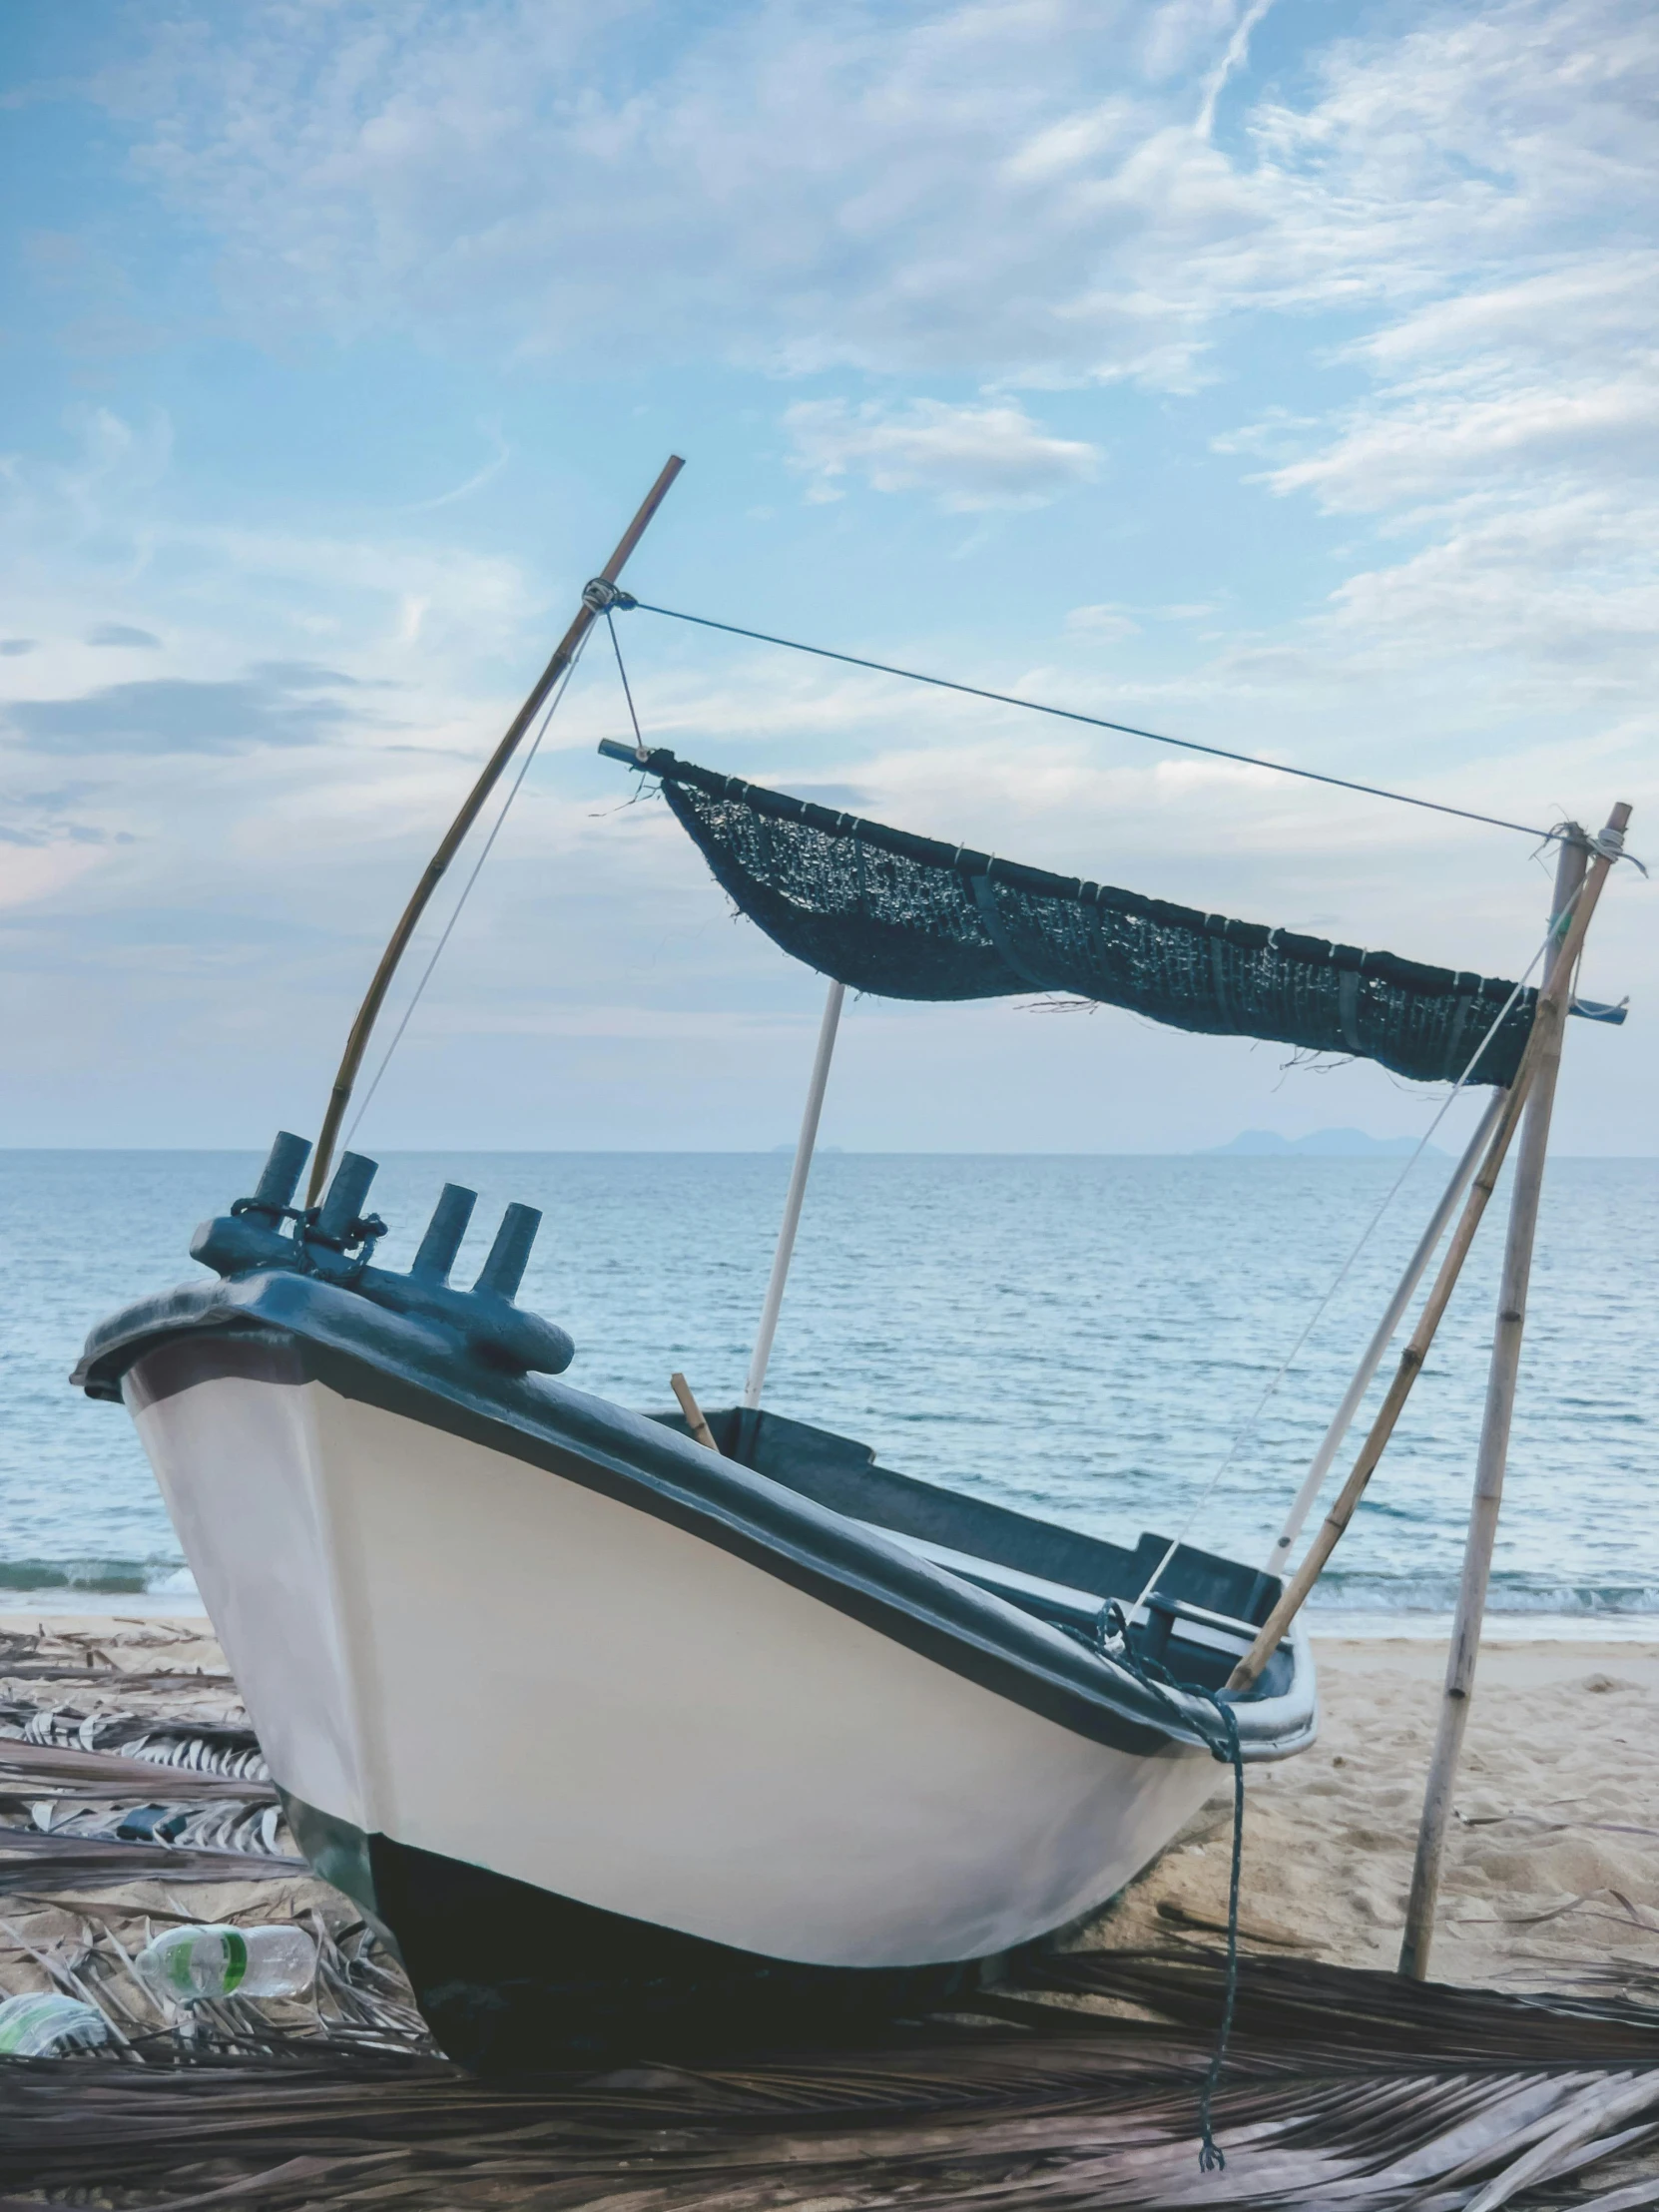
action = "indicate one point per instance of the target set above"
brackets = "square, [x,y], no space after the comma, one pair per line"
[1343,1509]
[1495,1444]
[1342,1419]
[1548,1019]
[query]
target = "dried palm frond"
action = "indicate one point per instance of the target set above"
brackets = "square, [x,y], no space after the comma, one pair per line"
[1327,2104]
[202,1746]
[1072,2084]
[39,1770]
[75,1655]
[1352,2010]
[145,1779]
[31,1860]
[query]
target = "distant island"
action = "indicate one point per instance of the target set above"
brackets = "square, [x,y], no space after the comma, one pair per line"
[1318,1143]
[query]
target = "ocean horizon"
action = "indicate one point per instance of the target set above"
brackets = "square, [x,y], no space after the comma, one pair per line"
[1081,1336]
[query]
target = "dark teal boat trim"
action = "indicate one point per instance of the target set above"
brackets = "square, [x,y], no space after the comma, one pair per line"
[792,1500]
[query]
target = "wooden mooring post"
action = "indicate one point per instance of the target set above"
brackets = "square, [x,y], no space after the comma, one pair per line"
[1573,891]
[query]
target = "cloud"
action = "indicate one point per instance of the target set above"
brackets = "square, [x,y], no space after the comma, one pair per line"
[1565,584]
[1238,48]
[31,873]
[1426,235]
[276,704]
[475,482]
[1043,193]
[123,633]
[1104,621]
[1029,193]
[968,458]
[1006,189]
[12,649]
[1410,447]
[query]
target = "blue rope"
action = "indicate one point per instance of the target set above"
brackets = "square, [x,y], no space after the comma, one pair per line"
[1113,1623]
[1211,2157]
[624,601]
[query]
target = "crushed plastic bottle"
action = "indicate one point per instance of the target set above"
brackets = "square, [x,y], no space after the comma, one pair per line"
[42,2024]
[191,1965]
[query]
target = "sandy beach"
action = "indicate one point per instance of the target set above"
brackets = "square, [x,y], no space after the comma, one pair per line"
[1552,1875]
[1550,1888]
[1552,1878]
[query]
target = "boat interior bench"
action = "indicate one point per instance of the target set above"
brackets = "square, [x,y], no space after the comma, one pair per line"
[1203,1616]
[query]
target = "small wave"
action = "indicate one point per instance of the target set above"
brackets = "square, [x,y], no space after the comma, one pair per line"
[107,1577]
[1509,1594]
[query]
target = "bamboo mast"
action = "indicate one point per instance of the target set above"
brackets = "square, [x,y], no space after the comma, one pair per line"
[1501,1377]
[363,1028]
[1555,996]
[796,1193]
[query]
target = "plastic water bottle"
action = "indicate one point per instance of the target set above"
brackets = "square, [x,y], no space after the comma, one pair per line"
[43,2025]
[189,1965]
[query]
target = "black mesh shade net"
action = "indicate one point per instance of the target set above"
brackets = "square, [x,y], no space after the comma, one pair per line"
[908,918]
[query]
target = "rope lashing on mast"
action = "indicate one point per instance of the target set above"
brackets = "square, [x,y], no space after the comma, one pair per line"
[609,598]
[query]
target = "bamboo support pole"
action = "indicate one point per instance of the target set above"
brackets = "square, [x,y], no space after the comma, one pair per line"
[796,1193]
[1271,1633]
[696,1421]
[363,1028]
[1555,995]
[1503,1374]
[1416,1268]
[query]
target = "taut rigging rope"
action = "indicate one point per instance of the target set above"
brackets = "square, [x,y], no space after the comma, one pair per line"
[467,888]
[626,601]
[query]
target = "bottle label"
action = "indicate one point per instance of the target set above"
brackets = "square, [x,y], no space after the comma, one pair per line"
[181,1962]
[15,2034]
[36,2025]
[235,1958]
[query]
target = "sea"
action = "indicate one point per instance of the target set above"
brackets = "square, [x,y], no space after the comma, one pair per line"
[1088,1338]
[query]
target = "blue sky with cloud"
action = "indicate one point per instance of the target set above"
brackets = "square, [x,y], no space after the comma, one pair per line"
[1277,374]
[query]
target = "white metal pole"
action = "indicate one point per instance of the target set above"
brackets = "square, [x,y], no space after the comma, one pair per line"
[1279,1558]
[798,1191]
[1500,1405]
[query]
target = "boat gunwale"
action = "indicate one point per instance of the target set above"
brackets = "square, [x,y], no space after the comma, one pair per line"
[420,1371]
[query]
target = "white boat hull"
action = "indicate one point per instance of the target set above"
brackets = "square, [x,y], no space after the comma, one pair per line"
[448,1646]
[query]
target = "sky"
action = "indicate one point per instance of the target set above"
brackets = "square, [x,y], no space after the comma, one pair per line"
[1280,376]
